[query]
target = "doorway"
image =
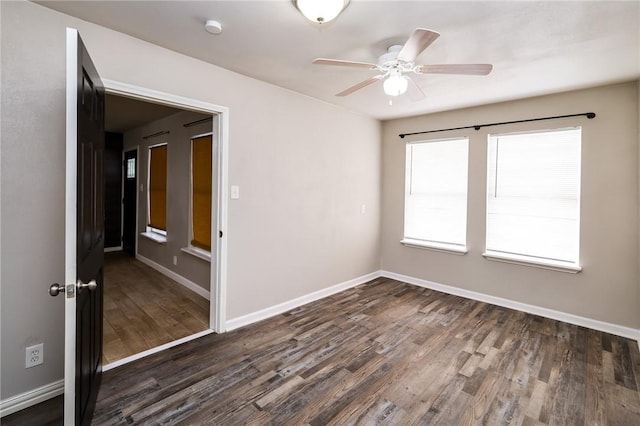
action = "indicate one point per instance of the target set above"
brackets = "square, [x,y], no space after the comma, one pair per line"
[132,190]
[129,201]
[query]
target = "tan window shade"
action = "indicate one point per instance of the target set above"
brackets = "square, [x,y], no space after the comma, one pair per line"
[201,192]
[158,187]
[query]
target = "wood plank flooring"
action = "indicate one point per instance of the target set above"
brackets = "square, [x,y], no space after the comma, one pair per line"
[384,353]
[144,309]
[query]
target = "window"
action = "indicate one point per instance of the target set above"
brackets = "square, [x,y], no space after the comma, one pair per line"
[533,198]
[131,168]
[435,214]
[157,193]
[201,192]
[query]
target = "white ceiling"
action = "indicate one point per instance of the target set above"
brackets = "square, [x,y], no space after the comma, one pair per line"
[536,47]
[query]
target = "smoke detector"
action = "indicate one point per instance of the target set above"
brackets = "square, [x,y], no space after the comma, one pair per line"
[213,27]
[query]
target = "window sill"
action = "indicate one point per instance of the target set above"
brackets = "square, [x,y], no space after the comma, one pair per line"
[199,253]
[533,262]
[158,238]
[430,245]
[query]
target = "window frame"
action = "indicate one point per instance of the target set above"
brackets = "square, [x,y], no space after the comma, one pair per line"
[155,234]
[190,248]
[441,246]
[527,259]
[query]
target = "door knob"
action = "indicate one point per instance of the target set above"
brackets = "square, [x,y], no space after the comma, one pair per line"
[91,285]
[55,289]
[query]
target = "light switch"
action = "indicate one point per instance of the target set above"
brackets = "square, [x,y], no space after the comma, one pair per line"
[235,192]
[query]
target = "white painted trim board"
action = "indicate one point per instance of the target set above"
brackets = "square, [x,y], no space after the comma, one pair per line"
[27,399]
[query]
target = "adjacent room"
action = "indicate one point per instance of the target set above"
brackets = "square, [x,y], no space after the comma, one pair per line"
[146,303]
[267,212]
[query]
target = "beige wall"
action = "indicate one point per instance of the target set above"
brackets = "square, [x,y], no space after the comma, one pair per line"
[304,168]
[608,287]
[178,186]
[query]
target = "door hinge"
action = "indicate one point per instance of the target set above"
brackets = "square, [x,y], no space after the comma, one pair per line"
[220,233]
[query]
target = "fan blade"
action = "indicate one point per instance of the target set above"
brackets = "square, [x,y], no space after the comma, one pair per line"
[360,85]
[468,69]
[323,61]
[415,93]
[420,39]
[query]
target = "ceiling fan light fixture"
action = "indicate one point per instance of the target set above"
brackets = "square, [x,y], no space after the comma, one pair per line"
[320,11]
[395,85]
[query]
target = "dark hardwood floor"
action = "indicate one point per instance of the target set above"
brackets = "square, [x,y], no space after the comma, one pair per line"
[144,309]
[384,353]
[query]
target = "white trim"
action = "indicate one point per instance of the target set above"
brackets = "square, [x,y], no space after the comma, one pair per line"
[217,309]
[219,225]
[155,237]
[144,94]
[606,327]
[294,303]
[533,262]
[174,276]
[30,398]
[197,252]
[431,245]
[155,350]
[71,148]
[112,249]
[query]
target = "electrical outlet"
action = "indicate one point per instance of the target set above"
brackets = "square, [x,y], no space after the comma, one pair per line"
[175,260]
[34,355]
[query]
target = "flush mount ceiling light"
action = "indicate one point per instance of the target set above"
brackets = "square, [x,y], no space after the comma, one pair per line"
[321,11]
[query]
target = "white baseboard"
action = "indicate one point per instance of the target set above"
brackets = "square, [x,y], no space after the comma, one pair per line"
[303,300]
[174,276]
[110,249]
[30,398]
[606,327]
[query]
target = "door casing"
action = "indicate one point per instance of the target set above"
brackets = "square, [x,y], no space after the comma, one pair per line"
[218,274]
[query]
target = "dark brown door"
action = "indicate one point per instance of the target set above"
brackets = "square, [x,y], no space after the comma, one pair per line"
[113,190]
[89,235]
[129,202]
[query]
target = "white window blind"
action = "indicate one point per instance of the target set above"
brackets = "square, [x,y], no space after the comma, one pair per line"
[436,193]
[533,195]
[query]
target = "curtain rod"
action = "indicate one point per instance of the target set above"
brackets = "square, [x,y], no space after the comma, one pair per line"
[589,115]
[193,123]
[164,132]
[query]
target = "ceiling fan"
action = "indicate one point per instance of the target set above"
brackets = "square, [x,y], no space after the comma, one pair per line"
[400,60]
